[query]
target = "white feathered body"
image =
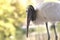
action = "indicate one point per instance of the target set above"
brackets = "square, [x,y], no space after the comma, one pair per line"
[47,12]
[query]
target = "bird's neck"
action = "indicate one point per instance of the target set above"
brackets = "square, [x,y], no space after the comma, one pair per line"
[33,16]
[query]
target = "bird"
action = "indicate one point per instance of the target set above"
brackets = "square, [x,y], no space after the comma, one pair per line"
[43,13]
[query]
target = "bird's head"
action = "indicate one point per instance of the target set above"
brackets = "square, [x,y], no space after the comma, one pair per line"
[31,15]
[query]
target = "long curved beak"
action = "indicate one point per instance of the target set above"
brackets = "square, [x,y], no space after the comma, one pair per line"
[28,22]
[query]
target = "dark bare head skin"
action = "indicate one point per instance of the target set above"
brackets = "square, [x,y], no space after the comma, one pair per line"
[31,13]
[31,16]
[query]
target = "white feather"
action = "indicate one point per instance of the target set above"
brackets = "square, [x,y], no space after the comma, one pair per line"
[47,12]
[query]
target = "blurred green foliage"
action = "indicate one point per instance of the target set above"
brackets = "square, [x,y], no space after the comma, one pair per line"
[58,26]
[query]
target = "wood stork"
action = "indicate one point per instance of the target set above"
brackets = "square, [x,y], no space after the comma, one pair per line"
[44,12]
